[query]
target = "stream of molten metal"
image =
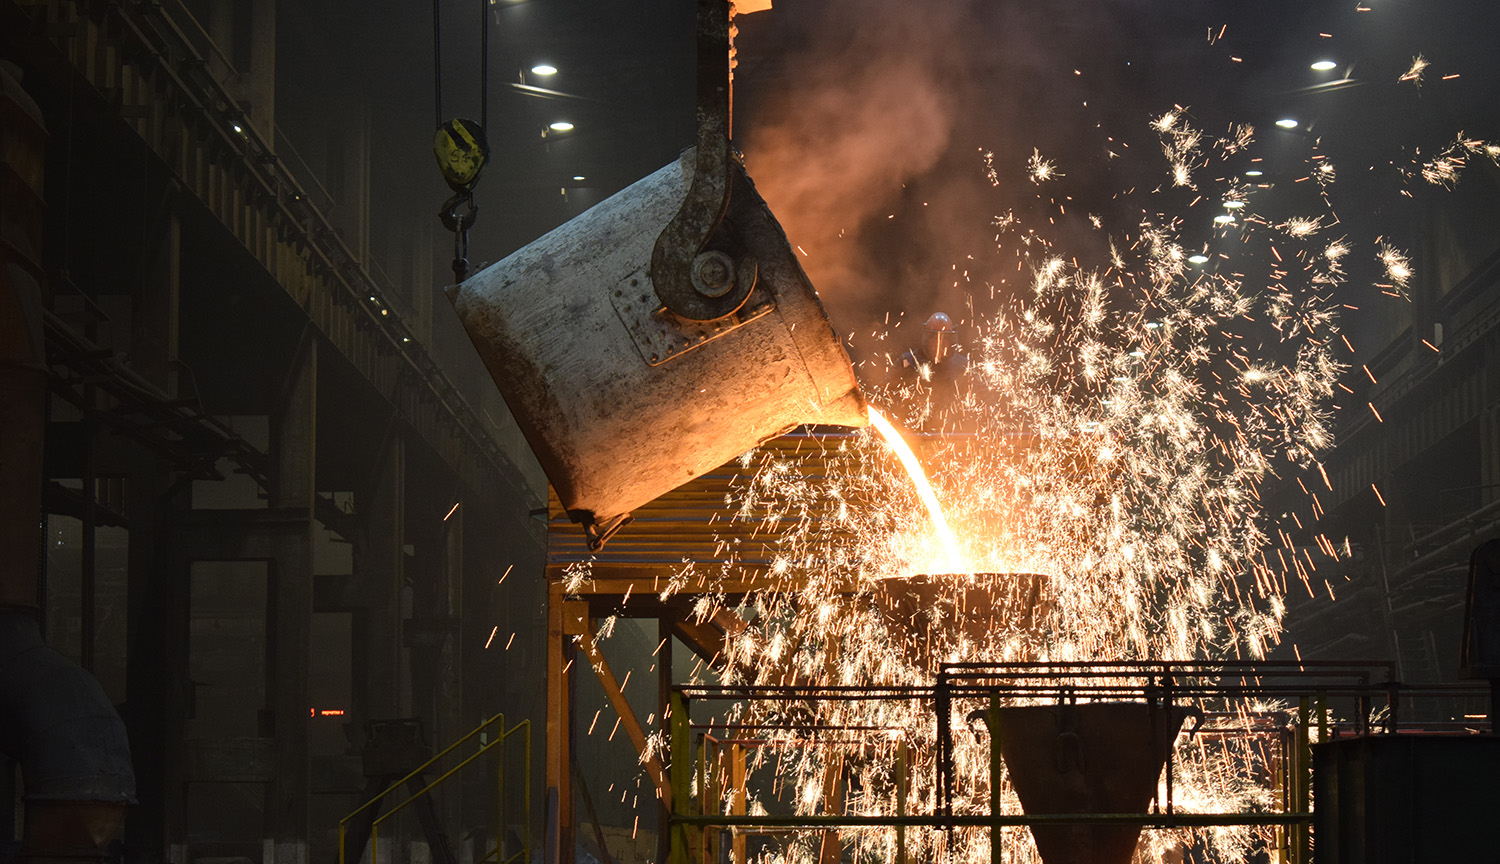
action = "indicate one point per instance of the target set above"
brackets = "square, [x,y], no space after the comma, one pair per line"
[954,559]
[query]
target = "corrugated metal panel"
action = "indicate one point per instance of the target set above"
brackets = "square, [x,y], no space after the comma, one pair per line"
[694,522]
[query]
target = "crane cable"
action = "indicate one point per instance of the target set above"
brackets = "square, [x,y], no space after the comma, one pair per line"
[461,145]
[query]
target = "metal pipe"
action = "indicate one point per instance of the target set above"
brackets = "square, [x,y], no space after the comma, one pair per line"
[981,820]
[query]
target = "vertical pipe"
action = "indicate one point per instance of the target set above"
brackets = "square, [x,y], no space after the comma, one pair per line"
[737,778]
[701,766]
[992,719]
[664,711]
[1284,769]
[1168,728]
[1300,781]
[559,734]
[902,754]
[681,772]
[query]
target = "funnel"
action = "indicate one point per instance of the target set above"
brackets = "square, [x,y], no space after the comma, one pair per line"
[1098,757]
[932,614]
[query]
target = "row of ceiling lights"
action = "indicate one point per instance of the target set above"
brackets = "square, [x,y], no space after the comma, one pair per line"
[1292,122]
[547,70]
[1284,123]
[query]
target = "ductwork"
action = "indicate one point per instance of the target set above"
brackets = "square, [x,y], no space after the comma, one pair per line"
[55,719]
[75,760]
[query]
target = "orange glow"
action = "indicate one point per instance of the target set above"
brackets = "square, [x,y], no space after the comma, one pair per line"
[955,559]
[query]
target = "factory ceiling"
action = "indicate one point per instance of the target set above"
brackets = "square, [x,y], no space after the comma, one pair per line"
[881,110]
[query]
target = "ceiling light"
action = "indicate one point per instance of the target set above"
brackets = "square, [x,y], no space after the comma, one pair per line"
[561,126]
[1198,259]
[1287,123]
[549,69]
[579,177]
[1254,172]
[1324,65]
[1233,205]
[1223,218]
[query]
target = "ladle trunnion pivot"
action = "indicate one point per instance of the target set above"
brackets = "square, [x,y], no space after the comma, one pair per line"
[622,400]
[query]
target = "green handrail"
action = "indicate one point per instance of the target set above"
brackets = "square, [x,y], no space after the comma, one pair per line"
[500,781]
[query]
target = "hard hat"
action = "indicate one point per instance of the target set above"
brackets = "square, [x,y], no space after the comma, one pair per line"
[937,338]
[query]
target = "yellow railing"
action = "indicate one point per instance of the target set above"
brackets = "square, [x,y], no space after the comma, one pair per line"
[523,855]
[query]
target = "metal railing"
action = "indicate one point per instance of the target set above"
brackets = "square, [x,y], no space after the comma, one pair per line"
[498,721]
[1287,705]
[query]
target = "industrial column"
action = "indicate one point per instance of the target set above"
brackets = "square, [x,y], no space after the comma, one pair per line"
[379,570]
[294,451]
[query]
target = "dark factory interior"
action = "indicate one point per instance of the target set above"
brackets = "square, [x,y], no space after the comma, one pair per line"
[794,432]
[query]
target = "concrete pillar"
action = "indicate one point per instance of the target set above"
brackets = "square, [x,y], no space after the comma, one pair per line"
[156,673]
[380,571]
[294,451]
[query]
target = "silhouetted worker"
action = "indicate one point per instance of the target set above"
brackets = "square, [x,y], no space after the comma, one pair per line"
[935,360]
[935,370]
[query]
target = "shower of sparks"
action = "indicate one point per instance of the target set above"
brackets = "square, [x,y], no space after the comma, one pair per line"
[1300,226]
[990,173]
[1041,170]
[1417,69]
[1397,267]
[1101,455]
[1444,170]
[1109,438]
[1180,143]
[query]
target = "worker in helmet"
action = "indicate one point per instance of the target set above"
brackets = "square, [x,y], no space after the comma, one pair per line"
[932,374]
[935,359]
